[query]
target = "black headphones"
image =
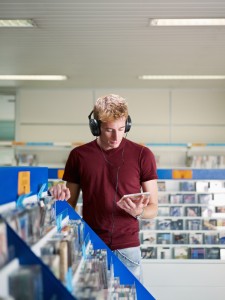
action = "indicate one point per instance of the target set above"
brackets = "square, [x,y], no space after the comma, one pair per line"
[95,125]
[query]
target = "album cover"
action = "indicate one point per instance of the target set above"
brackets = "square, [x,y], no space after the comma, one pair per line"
[163,198]
[207,211]
[221,224]
[222,237]
[164,224]
[197,253]
[211,238]
[176,224]
[187,186]
[147,224]
[176,198]
[194,224]
[164,253]
[180,238]
[222,253]
[163,211]
[216,186]
[189,199]
[220,209]
[176,211]
[212,253]
[210,224]
[26,283]
[148,252]
[148,237]
[204,198]
[3,244]
[202,186]
[192,211]
[161,186]
[195,238]
[164,238]
[180,252]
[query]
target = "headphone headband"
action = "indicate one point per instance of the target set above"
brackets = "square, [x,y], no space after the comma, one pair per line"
[95,125]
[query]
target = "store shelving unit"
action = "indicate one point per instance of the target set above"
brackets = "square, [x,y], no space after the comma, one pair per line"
[168,155]
[23,254]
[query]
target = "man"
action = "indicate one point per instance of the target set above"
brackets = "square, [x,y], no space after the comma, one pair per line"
[105,170]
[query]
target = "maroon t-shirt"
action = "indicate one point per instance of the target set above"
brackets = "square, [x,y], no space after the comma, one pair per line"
[104,177]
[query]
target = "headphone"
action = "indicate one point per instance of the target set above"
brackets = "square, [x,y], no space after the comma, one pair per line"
[95,125]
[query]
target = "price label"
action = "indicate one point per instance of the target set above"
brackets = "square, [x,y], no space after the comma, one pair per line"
[60,174]
[23,183]
[182,174]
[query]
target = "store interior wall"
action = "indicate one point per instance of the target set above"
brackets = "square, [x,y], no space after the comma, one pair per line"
[158,116]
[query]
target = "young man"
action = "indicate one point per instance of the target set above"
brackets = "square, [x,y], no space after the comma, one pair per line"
[105,170]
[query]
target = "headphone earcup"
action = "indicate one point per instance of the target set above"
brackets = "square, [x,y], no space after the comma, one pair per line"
[94,127]
[128,124]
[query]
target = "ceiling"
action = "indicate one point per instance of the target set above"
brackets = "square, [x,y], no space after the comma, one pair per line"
[108,44]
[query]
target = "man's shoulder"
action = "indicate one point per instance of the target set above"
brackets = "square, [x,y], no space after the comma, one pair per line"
[84,146]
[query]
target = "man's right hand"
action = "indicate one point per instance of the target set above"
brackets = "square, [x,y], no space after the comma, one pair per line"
[60,192]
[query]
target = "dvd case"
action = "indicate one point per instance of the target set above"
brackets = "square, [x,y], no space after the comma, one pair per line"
[181,252]
[196,238]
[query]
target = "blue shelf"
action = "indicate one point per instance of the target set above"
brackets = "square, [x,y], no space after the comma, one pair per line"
[53,288]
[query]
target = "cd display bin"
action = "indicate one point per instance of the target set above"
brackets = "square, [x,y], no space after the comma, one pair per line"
[17,253]
[191,217]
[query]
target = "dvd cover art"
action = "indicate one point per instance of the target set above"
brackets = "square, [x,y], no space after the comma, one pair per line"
[181,252]
[202,186]
[180,238]
[204,198]
[176,211]
[148,252]
[147,224]
[196,238]
[194,224]
[148,237]
[222,238]
[197,253]
[207,211]
[189,199]
[176,198]
[161,186]
[164,224]
[193,211]
[187,186]
[164,253]
[210,224]
[163,198]
[177,224]
[164,238]
[3,244]
[211,238]
[163,211]
[212,253]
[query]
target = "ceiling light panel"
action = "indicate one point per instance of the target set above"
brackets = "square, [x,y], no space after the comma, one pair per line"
[188,22]
[16,23]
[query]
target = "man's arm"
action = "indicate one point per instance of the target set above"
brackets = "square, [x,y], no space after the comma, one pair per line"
[69,192]
[151,210]
[74,193]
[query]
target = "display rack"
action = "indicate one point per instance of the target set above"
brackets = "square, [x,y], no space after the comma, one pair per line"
[168,155]
[26,255]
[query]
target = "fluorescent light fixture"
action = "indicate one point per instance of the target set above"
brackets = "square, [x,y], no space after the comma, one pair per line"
[33,77]
[187,22]
[182,77]
[16,23]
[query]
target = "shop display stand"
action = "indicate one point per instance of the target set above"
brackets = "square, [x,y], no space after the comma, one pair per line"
[26,255]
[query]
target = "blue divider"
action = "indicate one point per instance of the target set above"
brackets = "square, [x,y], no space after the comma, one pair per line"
[9,181]
[52,287]
[120,270]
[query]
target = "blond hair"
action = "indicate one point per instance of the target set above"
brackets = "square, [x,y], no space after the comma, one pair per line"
[110,107]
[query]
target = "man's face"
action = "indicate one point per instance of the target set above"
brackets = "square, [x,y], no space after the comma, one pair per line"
[112,133]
